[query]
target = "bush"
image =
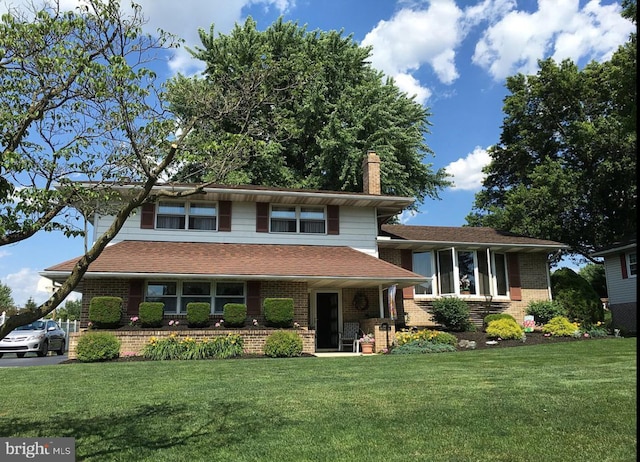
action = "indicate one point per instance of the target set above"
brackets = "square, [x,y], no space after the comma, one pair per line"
[278,312]
[494,317]
[433,336]
[577,296]
[560,326]
[283,344]
[105,312]
[174,347]
[235,314]
[544,311]
[422,347]
[198,314]
[151,314]
[97,346]
[506,329]
[452,313]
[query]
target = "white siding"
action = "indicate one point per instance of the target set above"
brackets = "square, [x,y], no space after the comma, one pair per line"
[619,290]
[358,229]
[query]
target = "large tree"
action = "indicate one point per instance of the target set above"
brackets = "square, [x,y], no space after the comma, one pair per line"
[565,166]
[80,101]
[325,108]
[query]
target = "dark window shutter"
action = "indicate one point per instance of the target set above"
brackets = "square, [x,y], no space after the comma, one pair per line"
[406,261]
[253,298]
[262,217]
[224,215]
[333,219]
[136,296]
[623,266]
[513,268]
[148,216]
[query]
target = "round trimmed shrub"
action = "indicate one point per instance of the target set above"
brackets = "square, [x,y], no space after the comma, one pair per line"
[560,326]
[506,329]
[278,312]
[97,346]
[283,344]
[151,313]
[235,314]
[452,313]
[198,314]
[105,312]
[494,317]
[544,311]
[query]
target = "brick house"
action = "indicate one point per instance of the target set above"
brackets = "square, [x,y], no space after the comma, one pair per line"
[332,252]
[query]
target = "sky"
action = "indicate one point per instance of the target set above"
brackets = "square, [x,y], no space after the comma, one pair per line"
[453,55]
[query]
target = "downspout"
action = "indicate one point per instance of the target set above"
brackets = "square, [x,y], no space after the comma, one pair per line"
[381,300]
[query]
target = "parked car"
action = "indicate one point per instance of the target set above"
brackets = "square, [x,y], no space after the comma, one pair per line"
[38,337]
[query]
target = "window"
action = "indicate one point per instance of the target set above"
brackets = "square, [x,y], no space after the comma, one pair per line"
[466,273]
[500,273]
[423,265]
[177,294]
[632,264]
[296,219]
[186,215]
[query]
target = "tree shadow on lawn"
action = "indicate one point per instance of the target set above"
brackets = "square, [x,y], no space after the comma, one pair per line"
[147,428]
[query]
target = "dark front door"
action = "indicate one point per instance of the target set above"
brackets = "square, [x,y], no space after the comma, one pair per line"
[327,324]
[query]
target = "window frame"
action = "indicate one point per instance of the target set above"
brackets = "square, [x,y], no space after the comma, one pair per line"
[179,296]
[298,218]
[188,215]
[433,277]
[632,264]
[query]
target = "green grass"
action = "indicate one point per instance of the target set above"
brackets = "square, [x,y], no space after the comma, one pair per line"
[560,402]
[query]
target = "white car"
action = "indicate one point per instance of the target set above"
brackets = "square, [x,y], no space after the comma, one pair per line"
[38,337]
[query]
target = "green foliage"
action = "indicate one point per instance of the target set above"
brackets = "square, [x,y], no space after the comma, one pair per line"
[71,310]
[6,300]
[560,326]
[421,347]
[452,313]
[105,312]
[494,317]
[578,297]
[565,166]
[283,344]
[198,314]
[328,107]
[97,346]
[151,314]
[595,275]
[278,312]
[186,348]
[433,336]
[235,314]
[506,329]
[544,310]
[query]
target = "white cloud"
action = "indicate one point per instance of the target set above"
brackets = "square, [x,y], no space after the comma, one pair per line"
[408,84]
[406,216]
[27,283]
[467,173]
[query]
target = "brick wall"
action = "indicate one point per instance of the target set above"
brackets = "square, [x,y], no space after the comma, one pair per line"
[296,290]
[351,313]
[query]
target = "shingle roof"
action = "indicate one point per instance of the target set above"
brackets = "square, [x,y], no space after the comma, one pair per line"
[243,261]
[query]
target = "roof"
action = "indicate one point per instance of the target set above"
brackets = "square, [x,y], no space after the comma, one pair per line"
[433,237]
[320,266]
[626,243]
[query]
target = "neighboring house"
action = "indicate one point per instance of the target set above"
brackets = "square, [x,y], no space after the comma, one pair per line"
[621,271]
[329,251]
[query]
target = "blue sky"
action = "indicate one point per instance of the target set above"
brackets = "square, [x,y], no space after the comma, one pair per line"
[454,55]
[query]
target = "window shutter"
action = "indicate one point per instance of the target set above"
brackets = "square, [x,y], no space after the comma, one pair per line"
[224,215]
[148,216]
[136,296]
[333,219]
[513,268]
[253,298]
[623,266]
[262,217]
[406,262]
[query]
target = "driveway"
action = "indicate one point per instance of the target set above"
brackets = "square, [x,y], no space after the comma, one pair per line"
[30,359]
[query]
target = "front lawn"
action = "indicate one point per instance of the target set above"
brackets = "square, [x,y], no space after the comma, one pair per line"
[559,402]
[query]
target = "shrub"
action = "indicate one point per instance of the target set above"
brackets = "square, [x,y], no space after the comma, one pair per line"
[579,298]
[151,314]
[283,344]
[560,326]
[198,314]
[505,329]
[97,346]
[278,312]
[235,314]
[433,336]
[494,317]
[105,312]
[545,310]
[421,347]
[174,347]
[452,313]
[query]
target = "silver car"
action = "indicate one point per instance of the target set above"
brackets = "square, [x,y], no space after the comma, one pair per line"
[38,337]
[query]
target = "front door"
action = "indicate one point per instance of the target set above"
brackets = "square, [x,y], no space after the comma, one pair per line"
[327,319]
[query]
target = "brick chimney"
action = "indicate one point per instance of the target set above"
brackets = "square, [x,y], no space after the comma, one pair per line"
[371,174]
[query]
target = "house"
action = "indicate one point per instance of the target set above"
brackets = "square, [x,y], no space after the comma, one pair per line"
[621,266]
[331,252]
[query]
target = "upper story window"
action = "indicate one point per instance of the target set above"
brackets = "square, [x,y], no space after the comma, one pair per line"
[298,219]
[186,215]
[632,264]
